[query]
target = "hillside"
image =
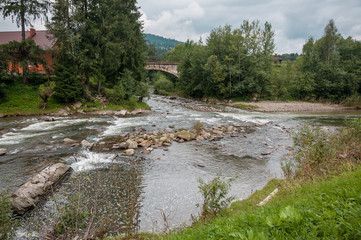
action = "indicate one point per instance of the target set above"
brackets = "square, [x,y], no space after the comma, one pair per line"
[162,44]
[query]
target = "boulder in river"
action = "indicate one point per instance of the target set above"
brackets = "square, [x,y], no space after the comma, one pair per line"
[186,137]
[87,144]
[30,193]
[129,152]
[132,144]
[3,151]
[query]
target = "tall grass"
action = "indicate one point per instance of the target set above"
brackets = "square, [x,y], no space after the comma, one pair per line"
[320,153]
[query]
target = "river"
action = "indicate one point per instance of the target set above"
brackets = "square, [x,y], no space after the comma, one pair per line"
[147,192]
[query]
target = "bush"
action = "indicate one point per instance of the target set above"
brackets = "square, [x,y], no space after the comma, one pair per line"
[45,92]
[321,153]
[215,195]
[163,85]
[116,93]
[198,127]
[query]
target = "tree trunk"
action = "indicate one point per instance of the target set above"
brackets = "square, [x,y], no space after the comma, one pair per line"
[99,87]
[24,65]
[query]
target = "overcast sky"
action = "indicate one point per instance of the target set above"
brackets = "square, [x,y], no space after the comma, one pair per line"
[292,20]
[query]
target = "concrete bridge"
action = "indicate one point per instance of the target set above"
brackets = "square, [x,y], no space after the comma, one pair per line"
[169,67]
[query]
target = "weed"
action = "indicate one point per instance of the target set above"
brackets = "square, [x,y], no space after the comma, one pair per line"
[245,106]
[7,217]
[214,195]
[198,127]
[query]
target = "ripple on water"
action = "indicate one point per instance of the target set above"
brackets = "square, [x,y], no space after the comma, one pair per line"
[86,160]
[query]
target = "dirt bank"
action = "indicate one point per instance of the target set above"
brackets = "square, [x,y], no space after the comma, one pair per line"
[293,106]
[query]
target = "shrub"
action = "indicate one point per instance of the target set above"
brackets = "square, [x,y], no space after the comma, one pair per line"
[214,195]
[163,85]
[198,127]
[321,153]
[46,90]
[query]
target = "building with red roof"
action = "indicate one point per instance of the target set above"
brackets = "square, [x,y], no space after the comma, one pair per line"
[42,38]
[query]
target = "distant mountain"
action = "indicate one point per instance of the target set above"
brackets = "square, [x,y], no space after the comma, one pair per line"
[162,44]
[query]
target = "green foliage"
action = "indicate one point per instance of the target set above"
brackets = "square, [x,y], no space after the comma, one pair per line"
[7,217]
[214,195]
[71,218]
[68,87]
[245,106]
[352,101]
[162,85]
[45,92]
[321,153]
[234,63]
[102,42]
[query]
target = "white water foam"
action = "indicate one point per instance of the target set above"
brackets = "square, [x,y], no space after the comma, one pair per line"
[87,160]
[245,118]
[119,124]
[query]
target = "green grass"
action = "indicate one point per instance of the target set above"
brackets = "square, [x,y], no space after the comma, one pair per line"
[245,106]
[322,209]
[24,100]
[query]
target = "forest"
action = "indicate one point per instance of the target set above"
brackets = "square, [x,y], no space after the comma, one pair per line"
[239,64]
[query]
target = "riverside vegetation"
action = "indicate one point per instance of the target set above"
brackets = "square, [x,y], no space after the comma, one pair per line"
[319,198]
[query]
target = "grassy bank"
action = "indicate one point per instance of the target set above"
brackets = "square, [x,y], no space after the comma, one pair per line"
[320,198]
[24,100]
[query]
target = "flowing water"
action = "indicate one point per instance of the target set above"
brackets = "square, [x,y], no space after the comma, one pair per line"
[146,192]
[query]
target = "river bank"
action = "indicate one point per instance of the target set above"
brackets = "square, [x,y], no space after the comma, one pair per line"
[292,106]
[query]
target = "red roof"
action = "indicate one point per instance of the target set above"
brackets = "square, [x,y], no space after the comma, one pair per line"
[42,38]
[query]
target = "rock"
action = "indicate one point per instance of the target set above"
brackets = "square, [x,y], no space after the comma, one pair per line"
[167,144]
[69,141]
[80,111]
[172,97]
[236,125]
[63,113]
[86,144]
[163,139]
[186,137]
[77,105]
[2,115]
[30,193]
[230,129]
[146,143]
[129,152]
[217,132]
[123,112]
[3,151]
[199,139]
[206,135]
[49,119]
[171,126]
[132,144]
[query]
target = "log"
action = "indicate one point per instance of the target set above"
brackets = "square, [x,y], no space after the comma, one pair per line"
[32,191]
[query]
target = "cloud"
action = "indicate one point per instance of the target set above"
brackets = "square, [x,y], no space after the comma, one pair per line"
[175,23]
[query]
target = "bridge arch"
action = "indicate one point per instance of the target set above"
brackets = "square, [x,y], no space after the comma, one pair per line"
[169,67]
